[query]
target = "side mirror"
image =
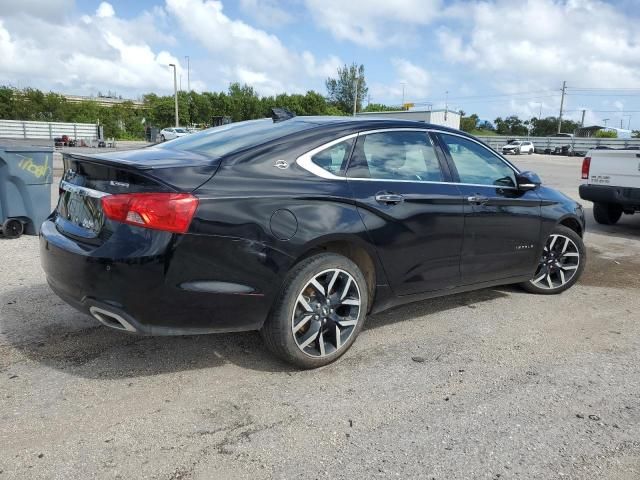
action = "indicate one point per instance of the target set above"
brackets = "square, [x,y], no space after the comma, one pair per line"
[528,181]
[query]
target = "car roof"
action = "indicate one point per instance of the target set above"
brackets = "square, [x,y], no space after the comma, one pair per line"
[370,123]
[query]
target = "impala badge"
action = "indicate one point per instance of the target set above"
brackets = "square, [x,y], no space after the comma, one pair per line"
[281,164]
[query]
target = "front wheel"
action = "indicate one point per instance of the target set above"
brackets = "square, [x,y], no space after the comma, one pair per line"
[563,260]
[607,213]
[162,139]
[319,312]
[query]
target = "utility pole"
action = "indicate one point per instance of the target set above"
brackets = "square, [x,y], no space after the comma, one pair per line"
[564,88]
[446,104]
[188,73]
[403,84]
[605,120]
[582,121]
[355,98]
[175,90]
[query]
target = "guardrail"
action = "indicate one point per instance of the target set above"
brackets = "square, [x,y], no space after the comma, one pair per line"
[573,145]
[47,130]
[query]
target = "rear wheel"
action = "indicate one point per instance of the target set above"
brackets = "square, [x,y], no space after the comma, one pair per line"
[562,262]
[319,312]
[607,213]
[12,228]
[530,151]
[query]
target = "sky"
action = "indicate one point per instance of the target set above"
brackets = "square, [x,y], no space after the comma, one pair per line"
[490,57]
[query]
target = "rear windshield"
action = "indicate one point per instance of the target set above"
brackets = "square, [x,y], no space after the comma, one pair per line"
[220,141]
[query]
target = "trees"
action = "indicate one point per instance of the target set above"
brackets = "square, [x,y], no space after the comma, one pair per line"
[510,125]
[341,91]
[470,123]
[379,107]
[544,127]
[606,134]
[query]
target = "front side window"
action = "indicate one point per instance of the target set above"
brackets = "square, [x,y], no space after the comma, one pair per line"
[476,164]
[395,155]
[334,158]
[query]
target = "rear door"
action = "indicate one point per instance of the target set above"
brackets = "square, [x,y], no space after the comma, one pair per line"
[415,218]
[502,223]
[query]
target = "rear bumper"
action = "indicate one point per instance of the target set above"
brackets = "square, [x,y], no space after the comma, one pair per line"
[629,198]
[165,284]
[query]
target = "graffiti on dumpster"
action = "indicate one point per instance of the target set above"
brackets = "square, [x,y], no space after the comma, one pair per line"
[39,171]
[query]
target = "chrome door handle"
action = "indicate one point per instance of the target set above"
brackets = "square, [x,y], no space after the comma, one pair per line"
[477,199]
[389,198]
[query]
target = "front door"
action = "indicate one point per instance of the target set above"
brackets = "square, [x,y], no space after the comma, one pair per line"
[415,219]
[502,223]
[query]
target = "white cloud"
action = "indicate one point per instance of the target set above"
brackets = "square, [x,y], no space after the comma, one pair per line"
[266,12]
[94,53]
[373,23]
[105,10]
[581,41]
[245,53]
[416,82]
[50,9]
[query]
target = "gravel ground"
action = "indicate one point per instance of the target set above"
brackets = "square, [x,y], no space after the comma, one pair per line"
[494,384]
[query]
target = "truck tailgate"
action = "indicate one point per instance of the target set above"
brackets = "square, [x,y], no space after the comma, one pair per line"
[616,168]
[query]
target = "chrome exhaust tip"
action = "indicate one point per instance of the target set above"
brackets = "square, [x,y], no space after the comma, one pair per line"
[110,319]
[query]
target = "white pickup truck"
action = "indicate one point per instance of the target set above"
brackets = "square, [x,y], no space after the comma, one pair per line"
[613,183]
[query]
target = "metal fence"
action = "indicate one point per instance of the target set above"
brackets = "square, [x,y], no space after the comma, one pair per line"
[573,145]
[47,130]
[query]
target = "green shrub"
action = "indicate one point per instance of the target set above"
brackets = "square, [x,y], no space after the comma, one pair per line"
[606,134]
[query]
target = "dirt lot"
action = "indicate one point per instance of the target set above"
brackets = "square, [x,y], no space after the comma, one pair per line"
[511,385]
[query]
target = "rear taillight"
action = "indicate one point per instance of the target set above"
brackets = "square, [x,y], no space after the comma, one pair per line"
[586,164]
[171,212]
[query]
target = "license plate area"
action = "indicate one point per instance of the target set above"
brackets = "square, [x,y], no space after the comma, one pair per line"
[80,210]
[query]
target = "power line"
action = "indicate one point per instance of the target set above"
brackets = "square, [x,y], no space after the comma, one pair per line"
[604,88]
[502,95]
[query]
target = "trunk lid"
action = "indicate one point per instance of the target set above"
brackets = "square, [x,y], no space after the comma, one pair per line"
[88,178]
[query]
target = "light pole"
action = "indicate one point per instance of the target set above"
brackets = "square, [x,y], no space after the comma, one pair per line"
[539,103]
[355,98]
[175,90]
[403,84]
[188,73]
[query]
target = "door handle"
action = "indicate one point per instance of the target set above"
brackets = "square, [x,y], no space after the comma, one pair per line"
[389,198]
[478,199]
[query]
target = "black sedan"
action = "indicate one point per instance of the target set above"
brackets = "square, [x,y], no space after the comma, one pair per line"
[300,228]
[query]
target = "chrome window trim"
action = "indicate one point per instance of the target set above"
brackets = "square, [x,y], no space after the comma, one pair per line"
[306,163]
[83,191]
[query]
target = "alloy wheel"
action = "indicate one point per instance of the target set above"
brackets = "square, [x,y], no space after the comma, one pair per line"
[326,313]
[559,263]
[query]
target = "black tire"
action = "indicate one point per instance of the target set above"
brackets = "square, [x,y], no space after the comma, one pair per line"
[530,151]
[12,228]
[277,331]
[518,151]
[607,213]
[162,139]
[563,231]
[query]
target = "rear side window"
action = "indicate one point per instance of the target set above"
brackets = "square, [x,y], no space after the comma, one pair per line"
[334,158]
[219,141]
[477,164]
[395,155]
